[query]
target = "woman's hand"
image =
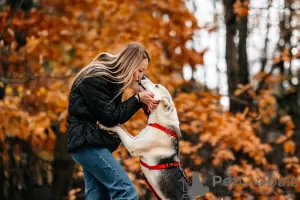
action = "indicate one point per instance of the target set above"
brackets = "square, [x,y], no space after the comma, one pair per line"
[147,98]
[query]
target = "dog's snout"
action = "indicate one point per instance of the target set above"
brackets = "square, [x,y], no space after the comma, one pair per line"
[144,77]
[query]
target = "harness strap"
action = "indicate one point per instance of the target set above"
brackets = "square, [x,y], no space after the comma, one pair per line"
[151,188]
[164,129]
[160,166]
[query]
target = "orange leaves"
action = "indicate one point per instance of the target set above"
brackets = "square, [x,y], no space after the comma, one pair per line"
[208,137]
[292,163]
[196,126]
[266,148]
[195,57]
[284,56]
[252,177]
[185,147]
[2,136]
[267,106]
[63,126]
[289,147]
[221,156]
[203,117]
[31,44]
[242,88]
[241,8]
[36,129]
[289,126]
[72,34]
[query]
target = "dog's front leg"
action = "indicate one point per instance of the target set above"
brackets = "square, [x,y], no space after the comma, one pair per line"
[127,139]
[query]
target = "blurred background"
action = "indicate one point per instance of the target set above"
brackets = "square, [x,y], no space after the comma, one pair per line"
[232,67]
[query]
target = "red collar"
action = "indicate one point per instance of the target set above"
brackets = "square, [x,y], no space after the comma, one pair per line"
[164,129]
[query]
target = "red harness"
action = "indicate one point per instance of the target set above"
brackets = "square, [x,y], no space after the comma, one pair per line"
[164,165]
[160,166]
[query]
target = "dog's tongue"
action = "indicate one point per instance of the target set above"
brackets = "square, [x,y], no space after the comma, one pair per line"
[146,109]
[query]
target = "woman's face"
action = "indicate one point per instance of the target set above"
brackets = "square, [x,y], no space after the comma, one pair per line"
[137,75]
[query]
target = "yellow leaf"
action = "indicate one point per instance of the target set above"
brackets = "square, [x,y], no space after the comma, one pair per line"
[8,90]
[45,155]
[32,43]
[42,90]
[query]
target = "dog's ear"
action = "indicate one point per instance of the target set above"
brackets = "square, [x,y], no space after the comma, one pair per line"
[167,102]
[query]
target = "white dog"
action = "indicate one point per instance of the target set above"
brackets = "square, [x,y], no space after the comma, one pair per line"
[158,147]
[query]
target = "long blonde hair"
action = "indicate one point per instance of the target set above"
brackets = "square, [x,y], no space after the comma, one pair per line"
[117,68]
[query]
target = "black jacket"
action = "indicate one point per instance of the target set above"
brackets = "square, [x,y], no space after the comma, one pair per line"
[88,103]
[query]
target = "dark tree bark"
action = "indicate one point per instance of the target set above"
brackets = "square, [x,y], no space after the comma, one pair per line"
[243,60]
[236,56]
[242,51]
[62,166]
[2,90]
[1,172]
[231,60]
[264,54]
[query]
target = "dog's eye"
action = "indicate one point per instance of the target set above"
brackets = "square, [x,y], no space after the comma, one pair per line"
[156,86]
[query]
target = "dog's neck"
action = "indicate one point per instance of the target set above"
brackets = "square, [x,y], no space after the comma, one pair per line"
[171,122]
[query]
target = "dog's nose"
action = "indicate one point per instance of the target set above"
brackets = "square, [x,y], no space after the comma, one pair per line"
[144,77]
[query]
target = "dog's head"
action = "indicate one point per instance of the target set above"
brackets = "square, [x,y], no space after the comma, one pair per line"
[165,113]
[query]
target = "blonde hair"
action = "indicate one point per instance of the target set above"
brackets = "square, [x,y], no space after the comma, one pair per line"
[117,68]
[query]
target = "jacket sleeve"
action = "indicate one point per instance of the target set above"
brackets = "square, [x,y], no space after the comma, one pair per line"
[97,94]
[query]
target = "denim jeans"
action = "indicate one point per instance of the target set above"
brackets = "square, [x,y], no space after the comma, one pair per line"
[104,177]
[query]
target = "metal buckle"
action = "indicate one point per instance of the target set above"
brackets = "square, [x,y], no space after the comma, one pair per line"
[169,165]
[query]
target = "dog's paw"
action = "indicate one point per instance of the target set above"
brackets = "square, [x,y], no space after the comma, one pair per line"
[101,126]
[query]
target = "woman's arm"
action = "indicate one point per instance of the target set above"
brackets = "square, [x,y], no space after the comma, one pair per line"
[97,94]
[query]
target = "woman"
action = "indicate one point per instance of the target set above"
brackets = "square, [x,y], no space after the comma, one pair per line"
[95,96]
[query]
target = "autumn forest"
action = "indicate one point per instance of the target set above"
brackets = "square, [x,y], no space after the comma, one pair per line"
[231,66]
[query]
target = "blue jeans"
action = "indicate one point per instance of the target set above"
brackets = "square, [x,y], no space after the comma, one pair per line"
[104,177]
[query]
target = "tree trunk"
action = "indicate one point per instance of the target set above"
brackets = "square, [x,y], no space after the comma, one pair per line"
[242,51]
[231,60]
[1,172]
[264,56]
[243,60]
[62,165]
[236,58]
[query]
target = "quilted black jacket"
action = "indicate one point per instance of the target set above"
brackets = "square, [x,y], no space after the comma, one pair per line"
[88,103]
